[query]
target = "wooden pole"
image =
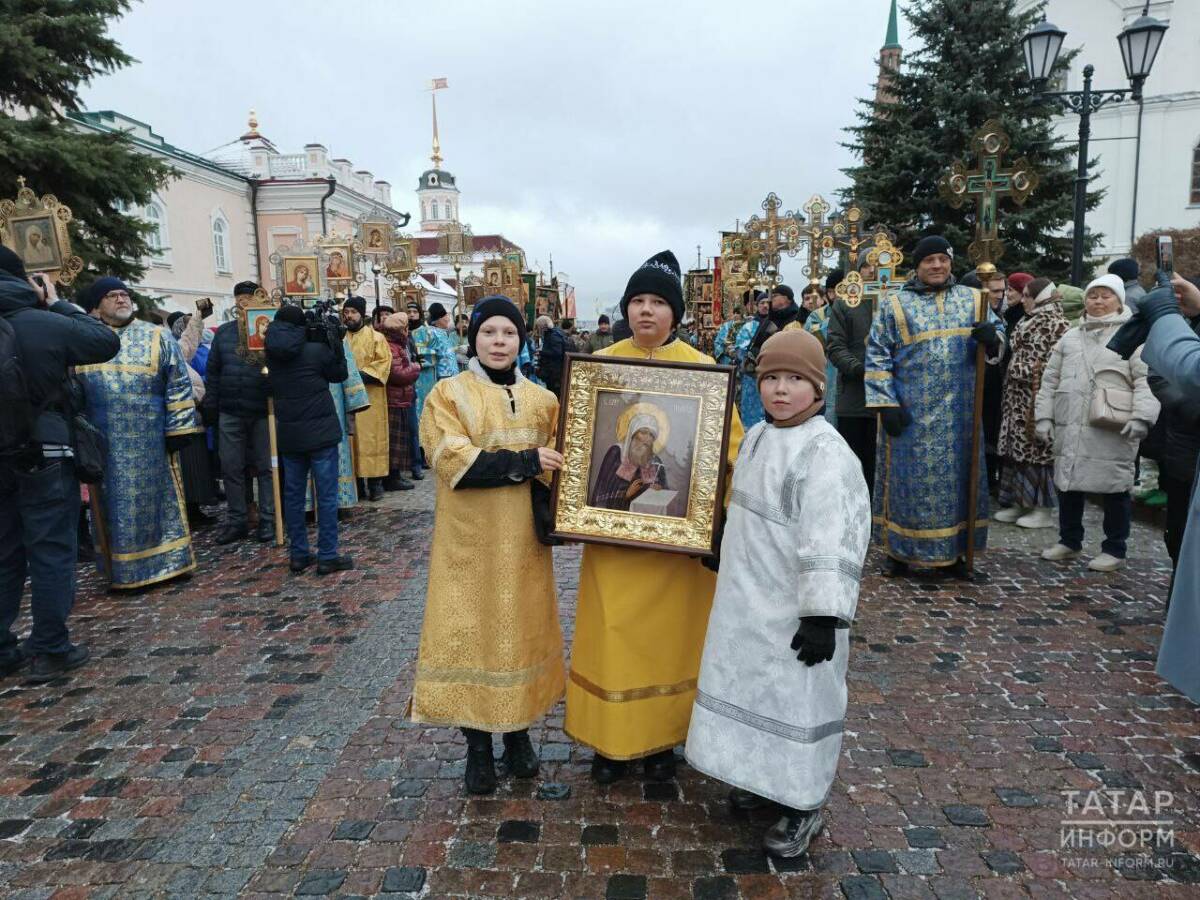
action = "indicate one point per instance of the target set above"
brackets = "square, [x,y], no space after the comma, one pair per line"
[985,271]
[279,536]
[105,551]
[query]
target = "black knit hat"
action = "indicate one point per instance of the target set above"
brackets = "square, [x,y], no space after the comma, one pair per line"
[244,287]
[834,278]
[100,288]
[785,291]
[659,275]
[971,280]
[356,303]
[173,318]
[603,320]
[11,263]
[1126,269]
[488,308]
[436,311]
[928,246]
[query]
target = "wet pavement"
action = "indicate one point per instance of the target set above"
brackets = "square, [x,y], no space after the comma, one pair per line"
[243,733]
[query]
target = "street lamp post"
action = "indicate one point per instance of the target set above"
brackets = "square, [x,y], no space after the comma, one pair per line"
[1139,43]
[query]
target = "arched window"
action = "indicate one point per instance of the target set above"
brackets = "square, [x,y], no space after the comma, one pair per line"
[1195,201]
[220,239]
[449,210]
[434,210]
[157,238]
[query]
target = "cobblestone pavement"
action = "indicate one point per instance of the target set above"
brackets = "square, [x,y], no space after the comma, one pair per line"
[243,733]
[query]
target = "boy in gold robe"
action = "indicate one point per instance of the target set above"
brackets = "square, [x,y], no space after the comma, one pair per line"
[642,614]
[374,360]
[491,652]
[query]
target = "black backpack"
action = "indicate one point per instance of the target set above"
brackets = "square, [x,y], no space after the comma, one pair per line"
[17,410]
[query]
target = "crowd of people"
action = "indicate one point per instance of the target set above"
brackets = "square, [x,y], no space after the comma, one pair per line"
[854,424]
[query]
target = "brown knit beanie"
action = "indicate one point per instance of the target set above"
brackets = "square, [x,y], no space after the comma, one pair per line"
[793,350]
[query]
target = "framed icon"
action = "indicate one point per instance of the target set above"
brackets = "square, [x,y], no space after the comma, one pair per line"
[645,445]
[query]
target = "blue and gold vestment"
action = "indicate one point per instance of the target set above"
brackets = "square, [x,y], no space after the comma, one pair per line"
[138,399]
[920,356]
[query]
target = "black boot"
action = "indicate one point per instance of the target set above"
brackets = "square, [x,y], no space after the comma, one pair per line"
[894,568]
[519,756]
[481,764]
[605,770]
[660,766]
[374,489]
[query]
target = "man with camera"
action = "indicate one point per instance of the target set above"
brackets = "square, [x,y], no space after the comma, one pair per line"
[40,338]
[305,356]
[235,400]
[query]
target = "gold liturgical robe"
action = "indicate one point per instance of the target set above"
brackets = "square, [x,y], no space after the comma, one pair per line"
[491,651]
[374,358]
[639,629]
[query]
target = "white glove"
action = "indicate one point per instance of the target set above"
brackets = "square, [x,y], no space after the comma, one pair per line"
[1045,431]
[1135,429]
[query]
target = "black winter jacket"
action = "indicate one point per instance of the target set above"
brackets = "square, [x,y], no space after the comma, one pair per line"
[846,347]
[552,359]
[50,341]
[231,384]
[300,374]
[1180,422]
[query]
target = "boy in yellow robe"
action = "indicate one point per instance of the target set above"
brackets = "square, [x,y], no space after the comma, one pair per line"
[374,360]
[642,614]
[491,651]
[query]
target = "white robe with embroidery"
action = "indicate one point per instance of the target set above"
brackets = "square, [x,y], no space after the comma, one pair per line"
[796,535]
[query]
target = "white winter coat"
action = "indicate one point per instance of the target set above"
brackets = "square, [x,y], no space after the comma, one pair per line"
[1086,458]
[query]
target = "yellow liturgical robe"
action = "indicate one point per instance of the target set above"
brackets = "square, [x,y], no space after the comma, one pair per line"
[373,357]
[639,629]
[491,651]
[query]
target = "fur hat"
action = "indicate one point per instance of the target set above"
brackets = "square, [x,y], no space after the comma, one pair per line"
[356,303]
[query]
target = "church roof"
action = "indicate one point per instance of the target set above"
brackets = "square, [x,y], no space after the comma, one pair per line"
[483,243]
[892,41]
[443,179]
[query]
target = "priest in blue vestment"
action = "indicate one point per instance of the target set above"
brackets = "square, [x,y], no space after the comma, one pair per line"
[920,378]
[141,401]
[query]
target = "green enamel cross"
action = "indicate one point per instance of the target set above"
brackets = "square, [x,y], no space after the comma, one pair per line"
[987,184]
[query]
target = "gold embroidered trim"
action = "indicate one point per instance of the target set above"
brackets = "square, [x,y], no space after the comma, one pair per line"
[642,693]
[152,551]
[181,404]
[940,333]
[901,321]
[876,375]
[926,532]
[619,758]
[130,585]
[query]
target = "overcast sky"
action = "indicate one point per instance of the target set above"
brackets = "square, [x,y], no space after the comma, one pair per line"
[599,132]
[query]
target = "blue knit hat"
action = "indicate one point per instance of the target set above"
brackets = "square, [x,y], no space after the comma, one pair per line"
[101,286]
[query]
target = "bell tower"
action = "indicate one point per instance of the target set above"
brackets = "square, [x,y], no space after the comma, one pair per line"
[889,60]
[437,194]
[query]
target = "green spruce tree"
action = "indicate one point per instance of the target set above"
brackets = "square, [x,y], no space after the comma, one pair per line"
[968,68]
[48,50]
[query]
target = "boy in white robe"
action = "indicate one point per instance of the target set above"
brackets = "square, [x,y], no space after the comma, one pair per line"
[771,703]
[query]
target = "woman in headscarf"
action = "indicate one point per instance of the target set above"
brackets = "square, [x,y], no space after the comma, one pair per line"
[490,657]
[641,617]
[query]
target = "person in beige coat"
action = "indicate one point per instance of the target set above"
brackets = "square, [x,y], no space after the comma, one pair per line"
[1094,408]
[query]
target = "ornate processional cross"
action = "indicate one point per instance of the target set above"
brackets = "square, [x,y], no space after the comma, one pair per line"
[766,236]
[988,183]
[886,259]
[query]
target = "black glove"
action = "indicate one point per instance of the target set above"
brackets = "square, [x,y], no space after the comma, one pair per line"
[895,420]
[177,442]
[985,333]
[815,639]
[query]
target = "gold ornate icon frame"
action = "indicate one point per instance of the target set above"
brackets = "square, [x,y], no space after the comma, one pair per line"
[29,207]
